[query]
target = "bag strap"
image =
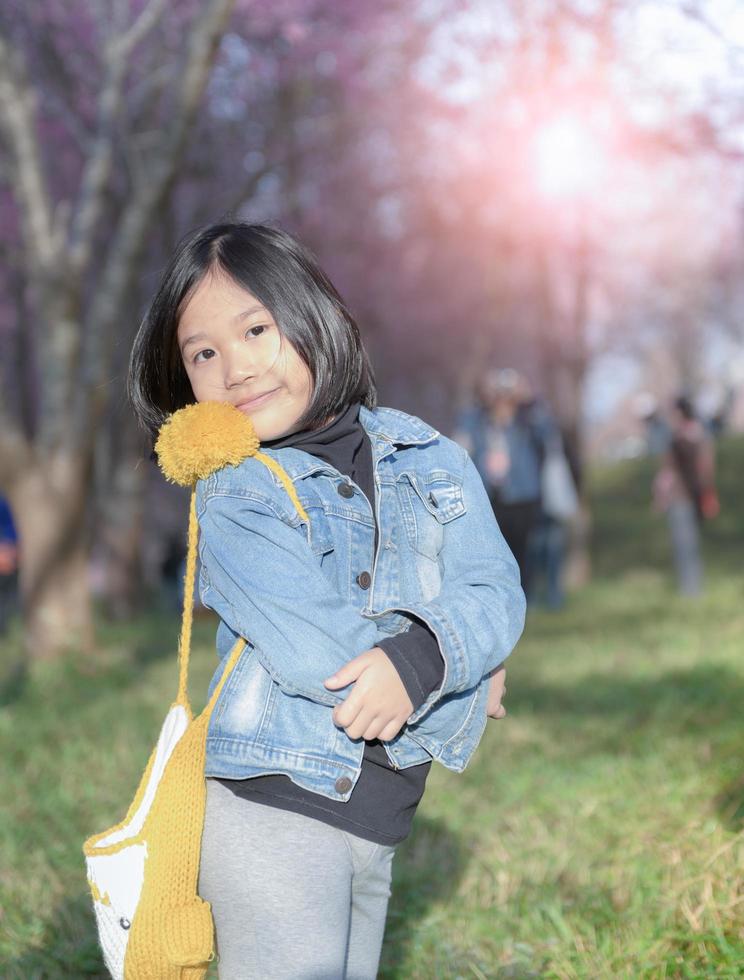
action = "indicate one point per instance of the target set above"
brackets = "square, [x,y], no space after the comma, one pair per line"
[189,588]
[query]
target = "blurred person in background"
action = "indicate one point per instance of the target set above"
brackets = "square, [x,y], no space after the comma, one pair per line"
[8,565]
[559,506]
[505,431]
[684,489]
[657,428]
[721,402]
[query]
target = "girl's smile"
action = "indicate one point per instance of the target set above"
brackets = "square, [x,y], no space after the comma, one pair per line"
[250,403]
[233,351]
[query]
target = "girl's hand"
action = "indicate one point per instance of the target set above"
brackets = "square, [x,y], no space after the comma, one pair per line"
[378,705]
[496,691]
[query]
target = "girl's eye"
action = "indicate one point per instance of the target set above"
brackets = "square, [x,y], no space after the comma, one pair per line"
[253,331]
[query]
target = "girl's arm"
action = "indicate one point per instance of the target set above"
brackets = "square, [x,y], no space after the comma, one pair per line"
[261,578]
[478,616]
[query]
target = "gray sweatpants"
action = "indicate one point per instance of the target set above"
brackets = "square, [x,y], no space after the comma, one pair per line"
[292,898]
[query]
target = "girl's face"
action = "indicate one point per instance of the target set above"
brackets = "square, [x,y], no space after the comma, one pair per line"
[233,352]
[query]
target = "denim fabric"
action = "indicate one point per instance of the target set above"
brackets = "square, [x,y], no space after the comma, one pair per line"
[293,590]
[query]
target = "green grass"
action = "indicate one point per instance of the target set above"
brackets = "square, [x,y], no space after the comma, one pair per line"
[598,832]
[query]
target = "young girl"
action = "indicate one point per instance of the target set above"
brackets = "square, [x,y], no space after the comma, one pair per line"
[375,627]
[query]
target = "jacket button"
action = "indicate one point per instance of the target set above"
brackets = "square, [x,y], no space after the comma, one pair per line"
[364,580]
[343,784]
[346,489]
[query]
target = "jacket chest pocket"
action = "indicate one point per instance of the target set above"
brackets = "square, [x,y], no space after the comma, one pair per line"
[317,531]
[429,502]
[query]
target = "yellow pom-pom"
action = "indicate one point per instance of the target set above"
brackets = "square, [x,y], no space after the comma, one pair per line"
[199,439]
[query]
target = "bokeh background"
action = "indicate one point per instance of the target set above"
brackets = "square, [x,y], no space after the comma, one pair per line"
[556,188]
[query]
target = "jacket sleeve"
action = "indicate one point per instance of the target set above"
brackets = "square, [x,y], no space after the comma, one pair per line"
[478,615]
[415,655]
[260,576]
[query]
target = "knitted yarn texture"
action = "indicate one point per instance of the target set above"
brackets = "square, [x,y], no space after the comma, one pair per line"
[143,872]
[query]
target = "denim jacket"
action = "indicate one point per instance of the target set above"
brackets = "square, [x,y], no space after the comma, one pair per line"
[308,596]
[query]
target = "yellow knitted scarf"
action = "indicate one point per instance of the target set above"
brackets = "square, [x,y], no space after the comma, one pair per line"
[143,872]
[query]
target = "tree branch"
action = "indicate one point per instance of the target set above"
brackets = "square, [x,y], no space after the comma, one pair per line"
[99,163]
[147,20]
[18,120]
[129,239]
[248,187]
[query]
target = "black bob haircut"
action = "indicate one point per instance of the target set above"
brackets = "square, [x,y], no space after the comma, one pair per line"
[286,278]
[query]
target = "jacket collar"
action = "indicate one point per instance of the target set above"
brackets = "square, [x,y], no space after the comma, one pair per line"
[396,427]
[386,427]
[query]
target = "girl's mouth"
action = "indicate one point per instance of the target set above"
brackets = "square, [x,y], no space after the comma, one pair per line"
[251,403]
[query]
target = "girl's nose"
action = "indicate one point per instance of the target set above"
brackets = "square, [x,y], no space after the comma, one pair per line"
[238,371]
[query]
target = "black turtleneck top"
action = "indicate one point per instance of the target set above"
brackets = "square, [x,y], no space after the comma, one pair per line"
[384,799]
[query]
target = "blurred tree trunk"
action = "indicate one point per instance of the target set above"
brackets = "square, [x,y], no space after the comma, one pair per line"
[46,467]
[49,503]
[120,486]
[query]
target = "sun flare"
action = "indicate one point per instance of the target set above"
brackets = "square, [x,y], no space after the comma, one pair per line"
[569,160]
